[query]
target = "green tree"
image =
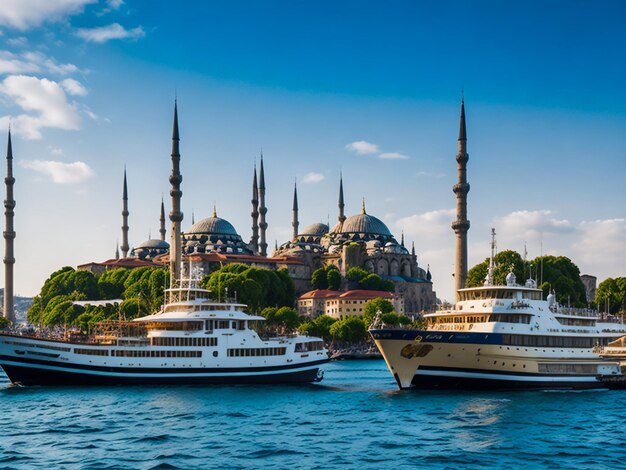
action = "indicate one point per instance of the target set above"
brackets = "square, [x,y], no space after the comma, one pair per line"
[375,282]
[375,305]
[503,261]
[612,293]
[356,273]
[111,283]
[333,279]
[319,279]
[560,274]
[287,317]
[319,327]
[351,329]
[4,323]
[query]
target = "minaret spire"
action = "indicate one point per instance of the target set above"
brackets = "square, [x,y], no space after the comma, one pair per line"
[9,236]
[117,250]
[461,225]
[176,216]
[262,211]
[295,222]
[162,220]
[125,213]
[342,216]
[254,241]
[363,206]
[413,248]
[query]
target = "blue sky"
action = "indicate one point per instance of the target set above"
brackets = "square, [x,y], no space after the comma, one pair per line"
[89,85]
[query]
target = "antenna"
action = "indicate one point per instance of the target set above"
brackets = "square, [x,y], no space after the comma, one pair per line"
[541,278]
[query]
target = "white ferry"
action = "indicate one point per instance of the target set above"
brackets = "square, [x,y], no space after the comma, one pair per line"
[192,340]
[503,337]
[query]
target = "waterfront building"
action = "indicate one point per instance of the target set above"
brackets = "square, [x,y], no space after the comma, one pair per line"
[337,304]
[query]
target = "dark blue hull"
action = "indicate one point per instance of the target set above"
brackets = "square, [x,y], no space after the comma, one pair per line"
[49,373]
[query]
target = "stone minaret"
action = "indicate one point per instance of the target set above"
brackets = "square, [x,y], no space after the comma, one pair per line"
[117,250]
[461,225]
[9,236]
[125,213]
[254,241]
[262,211]
[342,216]
[162,220]
[295,222]
[176,216]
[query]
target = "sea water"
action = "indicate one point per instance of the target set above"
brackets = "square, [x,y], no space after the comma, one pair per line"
[355,418]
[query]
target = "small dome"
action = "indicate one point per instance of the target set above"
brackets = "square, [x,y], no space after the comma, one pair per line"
[363,223]
[154,244]
[316,230]
[213,225]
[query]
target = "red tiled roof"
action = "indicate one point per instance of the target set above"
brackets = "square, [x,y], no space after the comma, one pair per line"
[318,294]
[122,263]
[351,294]
[366,294]
[228,257]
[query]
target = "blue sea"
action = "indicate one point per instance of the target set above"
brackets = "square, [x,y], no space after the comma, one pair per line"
[355,418]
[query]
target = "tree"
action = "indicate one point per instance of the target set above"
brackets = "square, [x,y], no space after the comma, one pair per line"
[356,273]
[557,273]
[319,327]
[503,261]
[373,306]
[319,279]
[287,317]
[375,282]
[350,329]
[4,323]
[333,279]
[612,293]
[111,283]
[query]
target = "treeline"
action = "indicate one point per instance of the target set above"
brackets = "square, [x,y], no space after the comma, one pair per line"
[556,273]
[611,295]
[329,277]
[141,290]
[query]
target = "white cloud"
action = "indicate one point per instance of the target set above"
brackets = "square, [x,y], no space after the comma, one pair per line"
[430,223]
[73,87]
[115,4]
[107,33]
[530,225]
[61,173]
[599,248]
[362,147]
[45,102]
[313,177]
[25,14]
[32,62]
[393,156]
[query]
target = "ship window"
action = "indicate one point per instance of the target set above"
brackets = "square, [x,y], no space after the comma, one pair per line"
[222,324]
[92,352]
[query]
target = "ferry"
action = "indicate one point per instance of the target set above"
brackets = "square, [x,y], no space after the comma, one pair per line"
[503,337]
[191,340]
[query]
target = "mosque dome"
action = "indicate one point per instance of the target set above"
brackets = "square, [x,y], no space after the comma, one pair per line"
[212,226]
[154,244]
[362,223]
[315,230]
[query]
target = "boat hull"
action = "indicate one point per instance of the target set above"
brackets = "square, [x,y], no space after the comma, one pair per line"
[423,359]
[36,372]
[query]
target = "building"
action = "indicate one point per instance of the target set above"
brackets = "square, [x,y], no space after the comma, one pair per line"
[338,304]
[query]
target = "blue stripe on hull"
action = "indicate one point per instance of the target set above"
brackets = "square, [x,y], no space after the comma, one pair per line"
[438,336]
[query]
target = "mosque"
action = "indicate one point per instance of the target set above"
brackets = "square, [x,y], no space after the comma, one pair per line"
[361,240]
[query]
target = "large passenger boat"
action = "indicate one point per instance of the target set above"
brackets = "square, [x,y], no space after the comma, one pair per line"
[503,337]
[192,340]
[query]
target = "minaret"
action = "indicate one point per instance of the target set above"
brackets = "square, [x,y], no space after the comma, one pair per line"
[413,249]
[117,250]
[262,211]
[342,216]
[162,220]
[125,218]
[254,241]
[461,225]
[295,222]
[176,216]
[9,236]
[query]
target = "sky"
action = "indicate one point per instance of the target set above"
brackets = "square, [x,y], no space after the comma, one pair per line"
[369,89]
